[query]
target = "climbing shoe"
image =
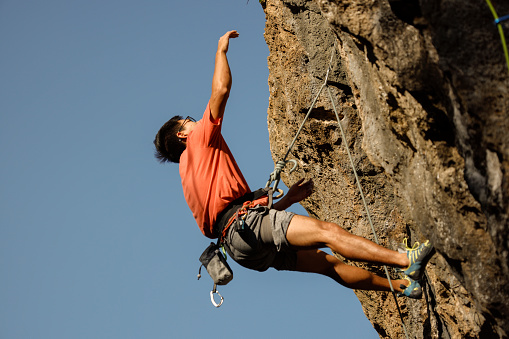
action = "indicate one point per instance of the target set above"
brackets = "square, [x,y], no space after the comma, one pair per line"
[413,290]
[418,255]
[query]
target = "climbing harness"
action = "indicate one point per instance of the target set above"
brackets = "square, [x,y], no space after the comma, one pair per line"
[275,175]
[498,21]
[239,217]
[238,209]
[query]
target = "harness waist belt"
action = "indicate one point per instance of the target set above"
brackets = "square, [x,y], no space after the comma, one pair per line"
[231,209]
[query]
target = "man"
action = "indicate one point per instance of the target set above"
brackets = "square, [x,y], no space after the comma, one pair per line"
[255,236]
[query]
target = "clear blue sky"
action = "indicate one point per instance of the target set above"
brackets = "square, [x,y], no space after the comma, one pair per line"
[96,240]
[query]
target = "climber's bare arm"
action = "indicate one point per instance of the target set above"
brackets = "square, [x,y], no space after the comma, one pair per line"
[222,78]
[298,192]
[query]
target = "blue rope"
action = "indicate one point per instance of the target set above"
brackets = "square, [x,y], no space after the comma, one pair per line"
[503,18]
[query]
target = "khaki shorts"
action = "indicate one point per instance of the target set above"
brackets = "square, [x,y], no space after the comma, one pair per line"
[262,243]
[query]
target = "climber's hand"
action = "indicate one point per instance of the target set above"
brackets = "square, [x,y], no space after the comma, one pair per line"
[224,41]
[300,190]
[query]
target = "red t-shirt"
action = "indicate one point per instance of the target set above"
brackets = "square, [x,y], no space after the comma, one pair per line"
[211,178]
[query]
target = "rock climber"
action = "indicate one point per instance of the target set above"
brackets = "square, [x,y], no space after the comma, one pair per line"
[213,186]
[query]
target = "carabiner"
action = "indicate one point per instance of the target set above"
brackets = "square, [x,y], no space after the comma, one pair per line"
[212,298]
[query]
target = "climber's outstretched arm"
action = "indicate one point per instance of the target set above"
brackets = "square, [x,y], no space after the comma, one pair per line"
[222,78]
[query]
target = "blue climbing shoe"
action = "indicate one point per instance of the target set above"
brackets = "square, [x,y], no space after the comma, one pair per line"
[418,256]
[413,290]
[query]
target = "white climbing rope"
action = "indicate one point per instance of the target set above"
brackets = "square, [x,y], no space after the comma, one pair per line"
[275,175]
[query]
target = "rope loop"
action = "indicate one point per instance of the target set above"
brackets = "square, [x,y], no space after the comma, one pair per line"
[275,176]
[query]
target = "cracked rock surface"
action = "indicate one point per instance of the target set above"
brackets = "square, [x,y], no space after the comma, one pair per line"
[421,88]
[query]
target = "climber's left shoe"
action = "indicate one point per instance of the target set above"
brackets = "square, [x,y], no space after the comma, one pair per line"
[413,290]
[418,256]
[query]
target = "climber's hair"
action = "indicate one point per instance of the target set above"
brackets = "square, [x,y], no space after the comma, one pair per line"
[169,147]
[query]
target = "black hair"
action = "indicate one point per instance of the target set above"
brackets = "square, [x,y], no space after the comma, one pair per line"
[169,147]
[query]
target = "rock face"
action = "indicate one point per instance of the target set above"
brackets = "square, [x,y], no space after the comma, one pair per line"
[422,92]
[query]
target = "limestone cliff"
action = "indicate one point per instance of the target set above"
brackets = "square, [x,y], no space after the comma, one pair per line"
[422,90]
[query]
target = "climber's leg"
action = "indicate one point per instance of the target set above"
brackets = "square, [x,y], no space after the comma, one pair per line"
[309,233]
[317,261]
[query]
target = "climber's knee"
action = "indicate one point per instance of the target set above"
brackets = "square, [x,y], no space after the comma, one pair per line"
[306,232]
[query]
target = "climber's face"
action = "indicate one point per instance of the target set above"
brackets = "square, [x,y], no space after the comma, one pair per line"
[187,125]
